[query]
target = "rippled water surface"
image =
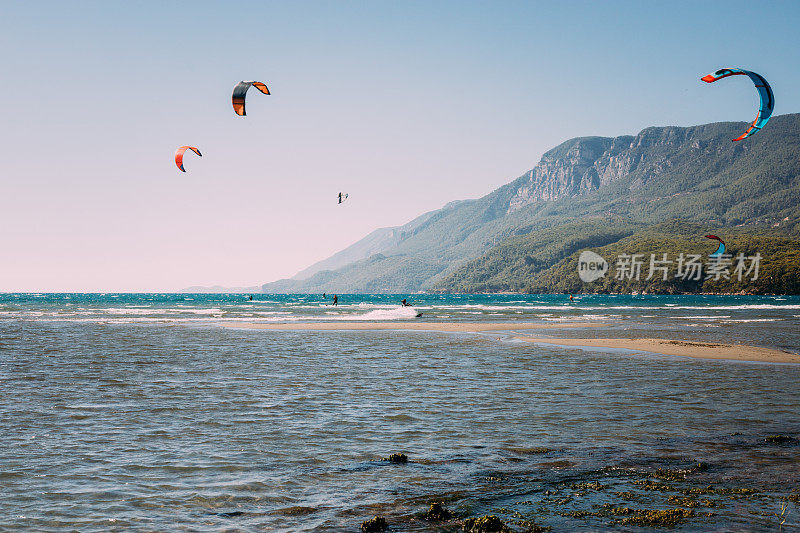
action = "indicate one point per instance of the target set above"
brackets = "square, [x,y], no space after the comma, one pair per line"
[146,412]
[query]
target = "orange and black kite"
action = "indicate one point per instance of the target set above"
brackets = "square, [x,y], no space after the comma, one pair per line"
[240,91]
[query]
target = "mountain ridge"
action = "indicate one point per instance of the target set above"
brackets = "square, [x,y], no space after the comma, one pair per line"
[694,173]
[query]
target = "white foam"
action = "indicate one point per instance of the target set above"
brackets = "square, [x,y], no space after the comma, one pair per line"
[752,320]
[701,317]
[392,313]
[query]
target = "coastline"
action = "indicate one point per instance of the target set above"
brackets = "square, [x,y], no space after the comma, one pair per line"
[672,347]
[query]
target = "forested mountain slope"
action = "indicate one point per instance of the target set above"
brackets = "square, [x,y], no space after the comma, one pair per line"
[587,192]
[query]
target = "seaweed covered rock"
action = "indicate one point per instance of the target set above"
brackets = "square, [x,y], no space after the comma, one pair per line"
[533,527]
[397,458]
[679,474]
[438,513]
[638,517]
[374,525]
[780,439]
[485,524]
[656,517]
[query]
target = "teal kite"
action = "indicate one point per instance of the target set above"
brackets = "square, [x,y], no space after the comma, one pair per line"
[764,91]
[720,249]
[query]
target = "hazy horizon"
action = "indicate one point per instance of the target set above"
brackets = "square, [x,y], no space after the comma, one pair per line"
[404,106]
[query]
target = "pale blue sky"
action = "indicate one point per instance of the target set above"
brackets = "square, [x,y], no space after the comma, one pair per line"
[405,105]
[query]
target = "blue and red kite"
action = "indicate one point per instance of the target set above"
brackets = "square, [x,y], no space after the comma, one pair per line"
[764,91]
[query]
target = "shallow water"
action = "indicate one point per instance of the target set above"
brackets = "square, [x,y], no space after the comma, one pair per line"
[144,412]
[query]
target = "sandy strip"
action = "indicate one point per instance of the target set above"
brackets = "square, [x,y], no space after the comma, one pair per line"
[700,350]
[455,327]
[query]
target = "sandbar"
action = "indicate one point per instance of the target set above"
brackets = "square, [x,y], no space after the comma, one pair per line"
[700,350]
[454,327]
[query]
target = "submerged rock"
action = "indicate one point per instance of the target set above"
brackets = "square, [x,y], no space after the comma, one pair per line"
[397,458]
[530,451]
[485,524]
[374,525]
[588,485]
[532,527]
[681,473]
[638,517]
[438,513]
[780,439]
[657,517]
[686,501]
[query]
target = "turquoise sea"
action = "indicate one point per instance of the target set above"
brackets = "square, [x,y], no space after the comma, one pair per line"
[146,412]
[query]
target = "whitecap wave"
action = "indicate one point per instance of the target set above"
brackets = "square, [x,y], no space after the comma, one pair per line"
[392,313]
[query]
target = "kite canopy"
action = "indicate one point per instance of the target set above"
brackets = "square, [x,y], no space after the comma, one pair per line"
[721,248]
[240,91]
[179,155]
[764,91]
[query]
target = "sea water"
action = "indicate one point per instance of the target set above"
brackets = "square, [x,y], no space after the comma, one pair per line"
[147,412]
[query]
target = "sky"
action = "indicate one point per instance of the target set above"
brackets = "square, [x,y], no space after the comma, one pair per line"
[406,106]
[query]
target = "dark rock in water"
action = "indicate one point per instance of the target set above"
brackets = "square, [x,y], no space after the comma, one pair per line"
[438,513]
[397,458]
[485,524]
[780,439]
[374,525]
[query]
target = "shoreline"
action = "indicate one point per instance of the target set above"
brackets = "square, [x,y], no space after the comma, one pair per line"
[672,347]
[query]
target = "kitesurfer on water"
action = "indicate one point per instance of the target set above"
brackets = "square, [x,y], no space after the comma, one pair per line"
[405,303]
[335,300]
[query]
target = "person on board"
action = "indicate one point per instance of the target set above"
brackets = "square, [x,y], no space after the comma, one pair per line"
[335,300]
[324,296]
[571,298]
[405,303]
[251,297]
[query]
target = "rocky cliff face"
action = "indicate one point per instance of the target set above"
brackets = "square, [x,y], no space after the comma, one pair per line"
[567,170]
[586,164]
